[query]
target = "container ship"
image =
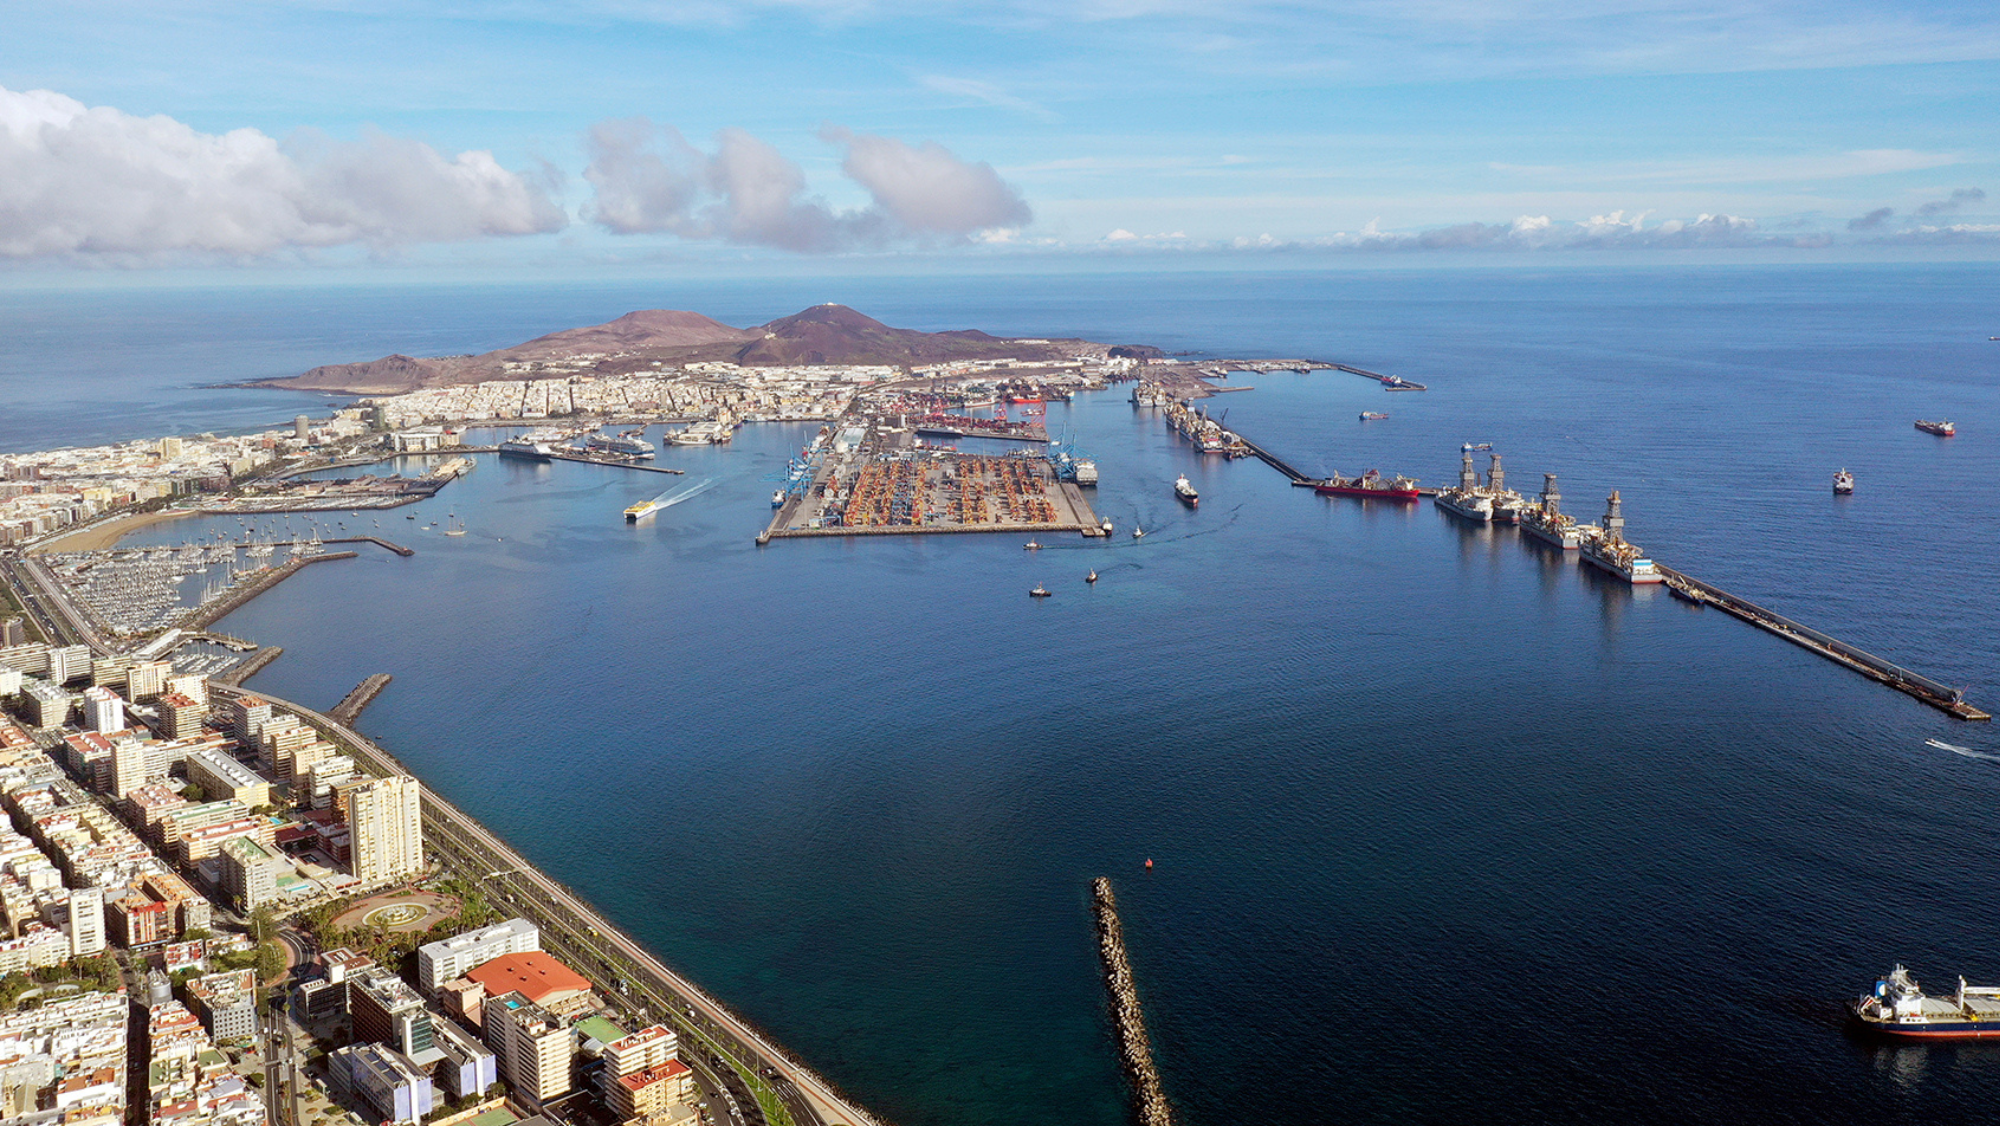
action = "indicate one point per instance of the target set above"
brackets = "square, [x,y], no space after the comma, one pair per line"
[1546,521]
[1369,486]
[1941,429]
[1609,551]
[1186,492]
[1898,1008]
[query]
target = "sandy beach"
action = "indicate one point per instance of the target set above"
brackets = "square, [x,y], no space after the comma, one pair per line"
[105,535]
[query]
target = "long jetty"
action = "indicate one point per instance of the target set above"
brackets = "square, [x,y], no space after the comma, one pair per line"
[1949,700]
[221,608]
[349,708]
[249,668]
[613,462]
[1134,1049]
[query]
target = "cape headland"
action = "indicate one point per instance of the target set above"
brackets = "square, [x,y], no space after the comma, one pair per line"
[654,338]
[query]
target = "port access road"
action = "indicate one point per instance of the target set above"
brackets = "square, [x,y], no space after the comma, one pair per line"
[599,949]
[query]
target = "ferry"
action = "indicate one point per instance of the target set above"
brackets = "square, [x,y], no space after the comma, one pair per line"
[643,508]
[1186,492]
[1370,486]
[1843,483]
[1898,1008]
[1941,429]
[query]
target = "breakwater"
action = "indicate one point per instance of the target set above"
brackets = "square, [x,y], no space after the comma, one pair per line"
[1135,1051]
[349,708]
[1946,699]
[251,667]
[221,608]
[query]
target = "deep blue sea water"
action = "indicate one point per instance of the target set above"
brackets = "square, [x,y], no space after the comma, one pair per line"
[1446,827]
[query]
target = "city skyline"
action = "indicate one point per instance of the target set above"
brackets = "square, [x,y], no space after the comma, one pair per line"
[603,136]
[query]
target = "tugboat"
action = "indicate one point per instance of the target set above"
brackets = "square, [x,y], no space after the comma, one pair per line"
[1941,429]
[1898,1008]
[1843,483]
[1091,577]
[1031,545]
[1040,592]
[1186,492]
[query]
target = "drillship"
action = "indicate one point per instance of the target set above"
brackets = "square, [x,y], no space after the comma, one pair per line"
[1465,499]
[1507,504]
[1898,1008]
[1546,521]
[1610,551]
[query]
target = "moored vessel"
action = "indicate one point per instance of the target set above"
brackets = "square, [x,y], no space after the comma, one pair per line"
[531,446]
[1898,1008]
[620,445]
[1465,499]
[1843,483]
[1186,492]
[1942,429]
[1369,486]
[1548,523]
[1608,550]
[1086,472]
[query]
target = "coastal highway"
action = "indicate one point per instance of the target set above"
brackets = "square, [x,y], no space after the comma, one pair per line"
[596,948]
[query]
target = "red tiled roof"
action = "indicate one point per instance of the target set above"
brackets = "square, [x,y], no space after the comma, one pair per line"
[639,1080]
[534,975]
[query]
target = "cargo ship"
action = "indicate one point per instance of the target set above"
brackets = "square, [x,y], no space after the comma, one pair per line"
[1371,416]
[1898,1008]
[1086,472]
[1941,429]
[1369,486]
[1843,483]
[1546,521]
[1608,550]
[1186,492]
[622,445]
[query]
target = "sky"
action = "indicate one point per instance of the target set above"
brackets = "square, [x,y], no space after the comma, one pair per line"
[607,134]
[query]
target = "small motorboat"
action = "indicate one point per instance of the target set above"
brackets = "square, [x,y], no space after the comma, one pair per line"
[1138,533]
[1031,545]
[1040,592]
[1091,577]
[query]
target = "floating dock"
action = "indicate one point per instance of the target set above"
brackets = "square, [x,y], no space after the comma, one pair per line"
[1949,700]
[1135,1051]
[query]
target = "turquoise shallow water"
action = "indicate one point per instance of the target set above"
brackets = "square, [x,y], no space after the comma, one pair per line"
[1445,827]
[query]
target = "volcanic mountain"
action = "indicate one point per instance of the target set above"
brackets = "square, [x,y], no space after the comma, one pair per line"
[823,334]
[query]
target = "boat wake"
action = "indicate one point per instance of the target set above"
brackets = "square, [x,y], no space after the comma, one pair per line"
[1954,748]
[673,497]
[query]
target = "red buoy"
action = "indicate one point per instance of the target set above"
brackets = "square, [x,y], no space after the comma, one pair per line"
[1149,862]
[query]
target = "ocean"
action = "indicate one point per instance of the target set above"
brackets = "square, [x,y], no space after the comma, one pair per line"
[1445,827]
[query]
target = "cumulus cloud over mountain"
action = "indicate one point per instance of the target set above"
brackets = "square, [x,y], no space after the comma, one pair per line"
[649,179]
[83,181]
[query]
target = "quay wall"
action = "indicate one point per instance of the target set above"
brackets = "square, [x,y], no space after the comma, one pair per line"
[214,612]
[1135,1051]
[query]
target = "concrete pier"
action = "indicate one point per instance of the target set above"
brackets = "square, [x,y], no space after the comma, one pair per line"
[249,668]
[613,462]
[221,608]
[1950,701]
[1134,1049]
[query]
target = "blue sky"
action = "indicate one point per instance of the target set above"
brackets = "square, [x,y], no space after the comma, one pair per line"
[179,133]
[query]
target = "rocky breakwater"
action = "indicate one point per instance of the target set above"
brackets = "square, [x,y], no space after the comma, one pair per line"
[1134,1049]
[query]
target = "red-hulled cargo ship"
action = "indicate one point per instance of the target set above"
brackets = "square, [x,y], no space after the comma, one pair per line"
[1370,485]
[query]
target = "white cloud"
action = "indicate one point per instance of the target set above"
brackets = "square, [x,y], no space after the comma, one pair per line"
[985,92]
[88,181]
[747,192]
